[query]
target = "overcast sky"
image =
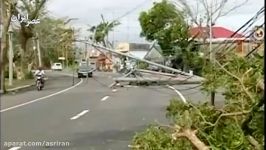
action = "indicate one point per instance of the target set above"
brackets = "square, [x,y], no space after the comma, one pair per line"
[88,13]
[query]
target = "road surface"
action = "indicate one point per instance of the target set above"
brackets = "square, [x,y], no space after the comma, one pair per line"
[89,116]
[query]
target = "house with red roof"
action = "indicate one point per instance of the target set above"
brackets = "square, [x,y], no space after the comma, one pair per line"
[221,38]
[218,33]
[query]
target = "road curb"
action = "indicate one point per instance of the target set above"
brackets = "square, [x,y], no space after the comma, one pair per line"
[19,88]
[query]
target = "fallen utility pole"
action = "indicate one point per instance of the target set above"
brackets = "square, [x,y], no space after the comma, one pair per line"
[136,58]
[143,60]
[157,81]
[155,72]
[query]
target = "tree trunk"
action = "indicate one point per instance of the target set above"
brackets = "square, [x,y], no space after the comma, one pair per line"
[23,65]
[67,56]
[6,18]
[212,98]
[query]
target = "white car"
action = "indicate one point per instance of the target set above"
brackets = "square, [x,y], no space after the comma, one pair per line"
[57,66]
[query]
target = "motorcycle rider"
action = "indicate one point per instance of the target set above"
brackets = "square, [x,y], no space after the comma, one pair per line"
[40,72]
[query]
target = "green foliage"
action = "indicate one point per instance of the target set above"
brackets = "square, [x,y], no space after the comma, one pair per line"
[102,30]
[154,138]
[6,74]
[249,71]
[228,128]
[164,23]
[55,40]
[142,65]
[29,75]
[226,134]
[188,59]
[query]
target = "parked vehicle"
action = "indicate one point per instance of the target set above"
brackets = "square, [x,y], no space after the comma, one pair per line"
[57,67]
[85,71]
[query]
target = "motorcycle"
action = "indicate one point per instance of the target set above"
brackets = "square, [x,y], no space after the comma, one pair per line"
[39,83]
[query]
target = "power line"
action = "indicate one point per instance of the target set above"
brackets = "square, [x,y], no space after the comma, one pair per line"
[249,23]
[253,50]
[246,30]
[245,38]
[132,10]
[226,46]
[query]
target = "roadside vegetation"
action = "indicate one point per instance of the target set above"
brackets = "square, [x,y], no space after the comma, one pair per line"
[52,36]
[238,124]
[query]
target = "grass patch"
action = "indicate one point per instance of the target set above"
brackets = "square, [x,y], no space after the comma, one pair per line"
[18,83]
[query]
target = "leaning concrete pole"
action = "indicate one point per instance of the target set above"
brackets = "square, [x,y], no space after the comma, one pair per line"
[143,60]
[133,57]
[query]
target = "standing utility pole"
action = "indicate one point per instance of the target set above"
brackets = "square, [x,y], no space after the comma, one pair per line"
[211,53]
[38,50]
[10,56]
[86,51]
[1,48]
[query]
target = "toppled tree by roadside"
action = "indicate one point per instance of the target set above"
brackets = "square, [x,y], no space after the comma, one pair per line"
[238,125]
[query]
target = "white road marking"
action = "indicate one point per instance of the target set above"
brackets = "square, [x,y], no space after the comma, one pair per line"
[14,148]
[114,90]
[113,84]
[131,86]
[179,93]
[79,115]
[39,99]
[105,98]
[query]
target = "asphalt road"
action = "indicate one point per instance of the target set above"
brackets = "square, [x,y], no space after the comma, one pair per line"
[90,116]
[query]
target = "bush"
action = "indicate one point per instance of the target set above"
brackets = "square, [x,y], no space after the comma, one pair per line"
[29,75]
[226,133]
[154,138]
[142,65]
[6,74]
[238,125]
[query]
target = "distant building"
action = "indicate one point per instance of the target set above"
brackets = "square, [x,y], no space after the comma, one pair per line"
[99,60]
[150,52]
[138,50]
[225,37]
[155,54]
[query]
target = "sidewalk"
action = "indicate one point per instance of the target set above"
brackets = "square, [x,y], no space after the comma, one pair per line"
[19,84]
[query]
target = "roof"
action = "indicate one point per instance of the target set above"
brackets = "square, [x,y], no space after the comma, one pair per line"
[125,47]
[154,55]
[217,32]
[139,54]
[138,47]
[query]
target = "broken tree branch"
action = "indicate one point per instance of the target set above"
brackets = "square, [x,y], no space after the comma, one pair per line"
[187,133]
[240,81]
[254,142]
[192,137]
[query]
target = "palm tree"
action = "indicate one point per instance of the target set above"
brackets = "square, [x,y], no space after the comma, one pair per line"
[102,30]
